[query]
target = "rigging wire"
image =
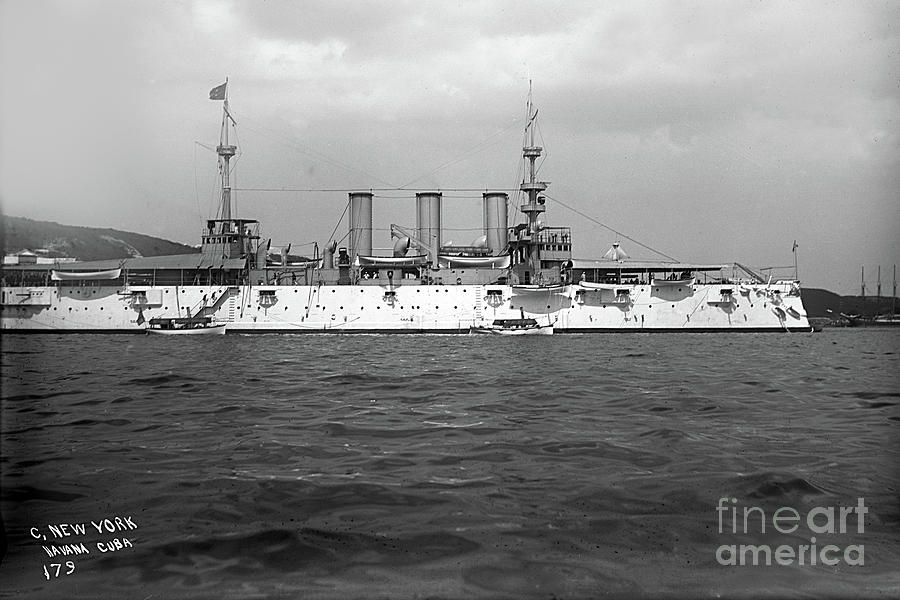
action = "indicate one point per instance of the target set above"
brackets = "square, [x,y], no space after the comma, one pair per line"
[197,187]
[479,147]
[484,144]
[211,200]
[233,173]
[619,233]
[338,224]
[390,189]
[277,136]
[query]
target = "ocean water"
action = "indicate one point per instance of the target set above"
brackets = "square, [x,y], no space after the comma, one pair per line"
[367,466]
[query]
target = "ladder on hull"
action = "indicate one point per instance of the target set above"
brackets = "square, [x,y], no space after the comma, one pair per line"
[479,304]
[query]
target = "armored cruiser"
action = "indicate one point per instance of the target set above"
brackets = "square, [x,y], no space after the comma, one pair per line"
[514,272]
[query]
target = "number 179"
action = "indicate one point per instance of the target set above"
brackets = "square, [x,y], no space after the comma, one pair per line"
[55,568]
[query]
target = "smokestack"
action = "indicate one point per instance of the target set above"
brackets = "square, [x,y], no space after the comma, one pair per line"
[428,221]
[495,219]
[360,224]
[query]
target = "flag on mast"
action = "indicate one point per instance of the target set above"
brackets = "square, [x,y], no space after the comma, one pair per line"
[794,249]
[218,92]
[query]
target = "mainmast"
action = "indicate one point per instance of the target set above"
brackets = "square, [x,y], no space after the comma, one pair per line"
[225,152]
[532,187]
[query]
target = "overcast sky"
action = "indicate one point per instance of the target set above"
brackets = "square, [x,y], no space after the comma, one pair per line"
[711,131]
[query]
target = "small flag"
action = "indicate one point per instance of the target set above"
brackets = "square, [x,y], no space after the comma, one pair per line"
[794,249]
[218,92]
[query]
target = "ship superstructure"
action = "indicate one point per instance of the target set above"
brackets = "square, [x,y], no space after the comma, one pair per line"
[519,272]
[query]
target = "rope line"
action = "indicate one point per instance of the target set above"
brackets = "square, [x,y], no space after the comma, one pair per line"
[619,233]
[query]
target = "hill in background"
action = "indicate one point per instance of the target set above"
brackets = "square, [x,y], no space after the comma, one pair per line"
[818,302]
[83,243]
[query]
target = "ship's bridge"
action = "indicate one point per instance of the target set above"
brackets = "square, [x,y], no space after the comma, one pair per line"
[229,238]
[555,244]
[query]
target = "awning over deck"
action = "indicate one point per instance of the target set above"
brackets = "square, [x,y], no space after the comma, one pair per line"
[638,266]
[172,262]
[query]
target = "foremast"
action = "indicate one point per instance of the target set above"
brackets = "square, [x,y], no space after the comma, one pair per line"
[224,150]
[228,237]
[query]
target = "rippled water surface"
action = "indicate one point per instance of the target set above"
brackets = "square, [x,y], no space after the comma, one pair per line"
[562,466]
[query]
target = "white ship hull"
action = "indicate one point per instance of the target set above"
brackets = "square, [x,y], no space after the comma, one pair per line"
[410,309]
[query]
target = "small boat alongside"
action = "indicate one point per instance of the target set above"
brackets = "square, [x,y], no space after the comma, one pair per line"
[185,326]
[892,320]
[515,327]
